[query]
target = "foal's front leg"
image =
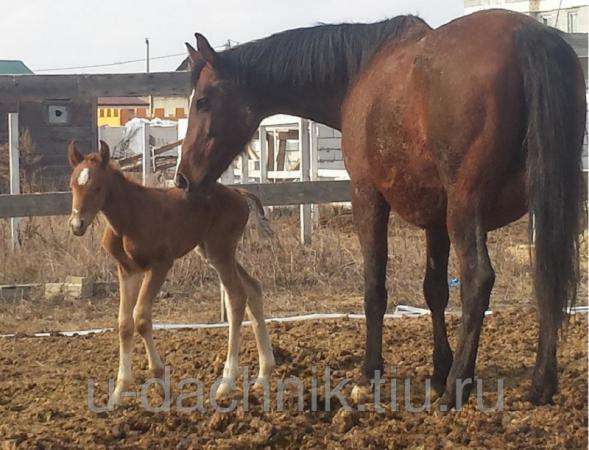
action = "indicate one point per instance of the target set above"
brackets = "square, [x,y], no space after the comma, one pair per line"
[129,283]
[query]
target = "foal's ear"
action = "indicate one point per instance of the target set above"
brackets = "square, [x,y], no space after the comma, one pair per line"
[104,153]
[74,156]
[205,49]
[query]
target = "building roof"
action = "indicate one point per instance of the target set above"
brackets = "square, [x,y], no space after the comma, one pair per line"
[122,101]
[13,67]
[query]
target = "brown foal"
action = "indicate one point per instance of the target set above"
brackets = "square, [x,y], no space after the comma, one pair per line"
[149,228]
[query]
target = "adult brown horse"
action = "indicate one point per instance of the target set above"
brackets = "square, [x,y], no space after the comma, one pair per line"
[460,130]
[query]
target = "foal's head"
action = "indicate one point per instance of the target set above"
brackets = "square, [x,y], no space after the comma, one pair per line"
[89,182]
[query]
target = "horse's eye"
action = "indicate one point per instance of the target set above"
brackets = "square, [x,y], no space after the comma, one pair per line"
[202,104]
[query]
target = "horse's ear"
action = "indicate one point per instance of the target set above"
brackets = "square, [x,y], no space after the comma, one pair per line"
[74,156]
[205,49]
[193,55]
[104,153]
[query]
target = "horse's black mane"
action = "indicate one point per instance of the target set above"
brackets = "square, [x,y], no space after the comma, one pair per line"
[319,55]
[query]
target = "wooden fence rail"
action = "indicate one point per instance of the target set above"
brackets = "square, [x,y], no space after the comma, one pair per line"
[271,194]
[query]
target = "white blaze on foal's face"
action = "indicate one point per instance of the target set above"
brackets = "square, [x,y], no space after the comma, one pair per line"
[83,177]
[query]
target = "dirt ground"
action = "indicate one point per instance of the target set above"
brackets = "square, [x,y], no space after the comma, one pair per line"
[44,384]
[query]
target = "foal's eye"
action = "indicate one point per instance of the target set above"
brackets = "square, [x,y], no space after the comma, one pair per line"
[202,104]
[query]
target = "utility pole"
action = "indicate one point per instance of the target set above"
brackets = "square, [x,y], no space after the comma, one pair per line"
[147,70]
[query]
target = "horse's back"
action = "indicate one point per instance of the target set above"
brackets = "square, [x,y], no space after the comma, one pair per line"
[443,115]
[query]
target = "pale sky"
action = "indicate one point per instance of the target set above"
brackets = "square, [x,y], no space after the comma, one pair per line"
[48,34]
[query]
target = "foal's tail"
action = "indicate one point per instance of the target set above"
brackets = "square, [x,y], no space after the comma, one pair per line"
[262,222]
[556,109]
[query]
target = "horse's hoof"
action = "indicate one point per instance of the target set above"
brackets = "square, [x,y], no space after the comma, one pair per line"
[539,396]
[360,394]
[438,385]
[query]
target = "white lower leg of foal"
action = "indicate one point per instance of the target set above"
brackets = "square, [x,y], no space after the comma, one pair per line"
[265,353]
[129,287]
[231,369]
[125,374]
[156,366]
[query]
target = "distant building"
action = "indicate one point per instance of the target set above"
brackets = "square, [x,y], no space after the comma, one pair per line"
[14,67]
[172,108]
[570,16]
[117,111]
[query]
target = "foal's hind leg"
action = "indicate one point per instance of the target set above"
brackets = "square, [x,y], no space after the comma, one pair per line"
[152,282]
[255,309]
[371,215]
[235,303]
[435,290]
[477,278]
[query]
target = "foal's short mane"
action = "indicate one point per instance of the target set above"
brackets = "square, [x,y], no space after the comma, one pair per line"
[322,55]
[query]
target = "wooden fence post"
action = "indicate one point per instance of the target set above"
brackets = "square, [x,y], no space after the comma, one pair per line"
[314,165]
[146,152]
[245,167]
[263,155]
[305,157]
[14,173]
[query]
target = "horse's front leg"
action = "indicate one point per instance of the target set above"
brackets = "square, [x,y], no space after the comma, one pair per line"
[435,291]
[371,215]
[129,283]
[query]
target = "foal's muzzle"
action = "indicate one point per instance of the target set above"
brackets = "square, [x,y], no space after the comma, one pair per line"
[78,225]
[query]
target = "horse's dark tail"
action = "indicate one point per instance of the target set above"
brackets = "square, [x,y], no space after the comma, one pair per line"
[556,109]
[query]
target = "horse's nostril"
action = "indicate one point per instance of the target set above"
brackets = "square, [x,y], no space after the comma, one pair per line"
[181,182]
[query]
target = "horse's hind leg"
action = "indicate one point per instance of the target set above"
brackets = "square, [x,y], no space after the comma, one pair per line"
[477,278]
[152,282]
[129,283]
[435,290]
[255,309]
[371,215]
[545,377]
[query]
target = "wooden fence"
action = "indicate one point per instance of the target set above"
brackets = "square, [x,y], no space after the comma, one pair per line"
[271,194]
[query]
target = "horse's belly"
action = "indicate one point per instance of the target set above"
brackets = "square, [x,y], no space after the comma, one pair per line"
[418,198]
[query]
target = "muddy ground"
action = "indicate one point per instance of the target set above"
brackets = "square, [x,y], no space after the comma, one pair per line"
[44,384]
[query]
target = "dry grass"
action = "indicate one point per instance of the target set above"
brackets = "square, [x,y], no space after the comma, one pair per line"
[324,276]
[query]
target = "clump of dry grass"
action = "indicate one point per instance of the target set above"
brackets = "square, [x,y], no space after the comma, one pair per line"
[323,276]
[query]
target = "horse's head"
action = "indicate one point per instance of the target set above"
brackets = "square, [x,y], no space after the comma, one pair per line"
[221,121]
[89,182]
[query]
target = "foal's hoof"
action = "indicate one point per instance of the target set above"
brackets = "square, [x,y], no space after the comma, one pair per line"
[157,372]
[261,385]
[224,390]
[361,394]
[118,396]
